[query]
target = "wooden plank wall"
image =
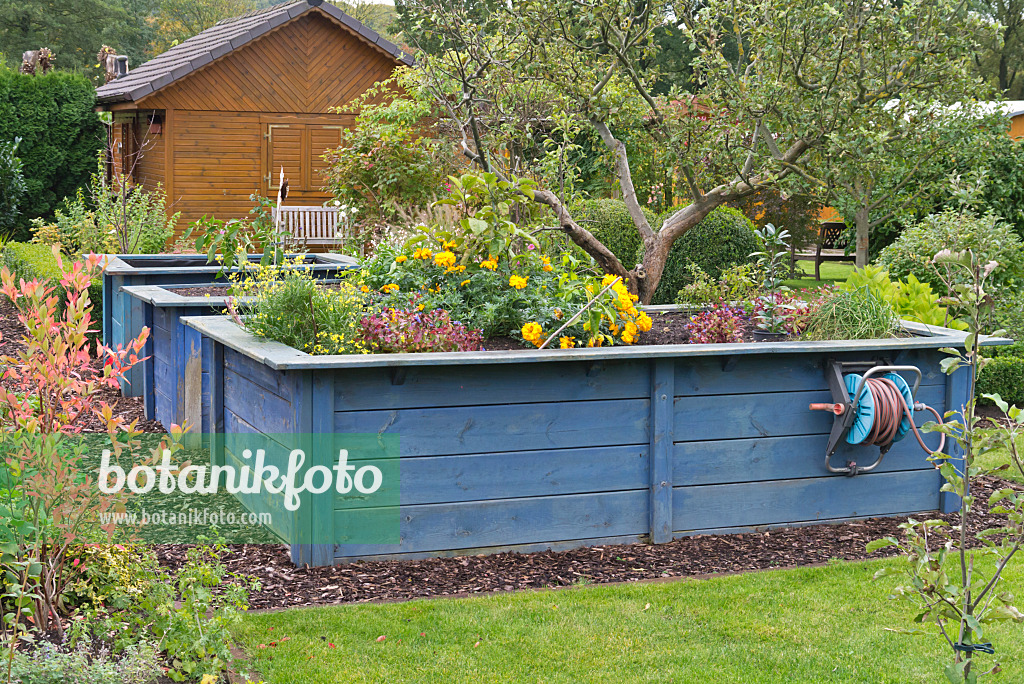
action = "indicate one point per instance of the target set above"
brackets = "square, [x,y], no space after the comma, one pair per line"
[498,458]
[293,75]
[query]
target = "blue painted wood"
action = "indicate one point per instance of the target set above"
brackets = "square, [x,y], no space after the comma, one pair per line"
[761,414]
[466,430]
[783,501]
[503,475]
[701,376]
[959,389]
[474,385]
[321,518]
[257,405]
[565,453]
[301,418]
[759,459]
[215,409]
[149,364]
[662,430]
[506,521]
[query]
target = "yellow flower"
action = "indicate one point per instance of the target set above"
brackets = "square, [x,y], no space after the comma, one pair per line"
[547,267]
[627,338]
[364,288]
[444,259]
[209,679]
[422,253]
[614,328]
[643,322]
[491,263]
[518,282]
[532,331]
[558,314]
[630,330]
[567,342]
[608,279]
[390,287]
[401,258]
[464,282]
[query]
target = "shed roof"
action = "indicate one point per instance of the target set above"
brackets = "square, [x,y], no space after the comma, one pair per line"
[222,38]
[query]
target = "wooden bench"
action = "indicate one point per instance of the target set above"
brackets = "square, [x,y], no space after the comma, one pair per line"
[830,236]
[312,225]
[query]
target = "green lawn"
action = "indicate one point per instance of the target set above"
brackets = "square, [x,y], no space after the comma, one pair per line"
[831,272]
[998,457]
[807,625]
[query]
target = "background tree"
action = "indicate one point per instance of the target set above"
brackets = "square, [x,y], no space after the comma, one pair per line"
[879,167]
[179,20]
[806,69]
[1000,58]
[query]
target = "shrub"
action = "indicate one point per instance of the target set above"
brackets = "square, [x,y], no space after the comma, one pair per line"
[725,238]
[12,186]
[36,262]
[395,331]
[987,236]
[61,134]
[610,222]
[852,315]
[290,306]
[1003,375]
[48,664]
[716,325]
[74,229]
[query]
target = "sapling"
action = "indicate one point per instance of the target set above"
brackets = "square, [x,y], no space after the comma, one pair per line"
[771,317]
[955,590]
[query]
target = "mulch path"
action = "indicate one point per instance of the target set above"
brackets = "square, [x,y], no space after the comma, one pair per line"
[285,586]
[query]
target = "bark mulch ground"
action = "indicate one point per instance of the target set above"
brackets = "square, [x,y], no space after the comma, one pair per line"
[286,586]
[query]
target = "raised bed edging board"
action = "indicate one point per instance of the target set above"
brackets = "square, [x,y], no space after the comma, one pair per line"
[529,450]
[123,316]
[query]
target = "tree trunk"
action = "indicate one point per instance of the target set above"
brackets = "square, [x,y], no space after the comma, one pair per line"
[863,228]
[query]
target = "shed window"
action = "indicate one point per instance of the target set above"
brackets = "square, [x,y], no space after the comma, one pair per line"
[298,148]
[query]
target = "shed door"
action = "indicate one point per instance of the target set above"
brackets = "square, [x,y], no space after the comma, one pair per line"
[321,139]
[285,148]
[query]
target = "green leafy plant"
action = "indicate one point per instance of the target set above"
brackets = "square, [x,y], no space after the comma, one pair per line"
[723,239]
[910,299]
[229,243]
[987,236]
[702,289]
[45,663]
[75,230]
[852,315]
[959,602]
[389,163]
[194,632]
[771,311]
[491,211]
[1002,375]
[49,389]
[287,304]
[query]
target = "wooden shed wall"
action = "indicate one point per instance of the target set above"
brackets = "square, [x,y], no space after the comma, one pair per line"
[233,124]
[308,65]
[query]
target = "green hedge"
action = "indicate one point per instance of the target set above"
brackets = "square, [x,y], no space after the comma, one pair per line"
[61,135]
[36,262]
[610,222]
[722,240]
[1004,375]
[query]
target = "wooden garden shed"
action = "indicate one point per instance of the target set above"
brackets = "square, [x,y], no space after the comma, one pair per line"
[215,118]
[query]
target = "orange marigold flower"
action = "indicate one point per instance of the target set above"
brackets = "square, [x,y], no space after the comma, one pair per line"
[518,282]
[401,258]
[364,288]
[566,342]
[445,259]
[490,263]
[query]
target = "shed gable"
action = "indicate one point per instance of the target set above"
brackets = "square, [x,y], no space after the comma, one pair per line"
[308,65]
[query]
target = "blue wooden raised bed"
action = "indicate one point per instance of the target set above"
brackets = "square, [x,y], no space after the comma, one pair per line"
[123,318]
[554,449]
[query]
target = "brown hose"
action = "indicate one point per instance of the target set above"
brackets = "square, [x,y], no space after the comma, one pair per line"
[890,407]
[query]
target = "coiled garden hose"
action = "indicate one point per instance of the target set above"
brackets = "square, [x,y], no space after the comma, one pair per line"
[890,409]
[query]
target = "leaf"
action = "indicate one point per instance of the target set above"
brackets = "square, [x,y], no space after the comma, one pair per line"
[881,544]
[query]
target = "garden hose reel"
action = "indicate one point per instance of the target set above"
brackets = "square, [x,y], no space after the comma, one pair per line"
[867,400]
